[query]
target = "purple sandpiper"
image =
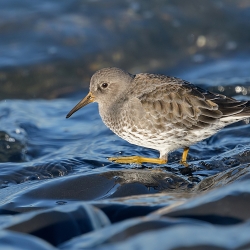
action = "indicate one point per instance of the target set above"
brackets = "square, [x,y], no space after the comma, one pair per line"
[159,112]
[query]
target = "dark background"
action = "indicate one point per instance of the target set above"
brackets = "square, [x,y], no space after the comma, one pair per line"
[51,48]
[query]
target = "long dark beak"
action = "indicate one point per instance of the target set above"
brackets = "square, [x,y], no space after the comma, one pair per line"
[85,101]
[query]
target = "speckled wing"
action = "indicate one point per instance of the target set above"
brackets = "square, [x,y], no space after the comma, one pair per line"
[174,101]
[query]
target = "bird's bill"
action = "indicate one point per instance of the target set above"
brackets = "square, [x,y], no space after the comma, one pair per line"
[85,101]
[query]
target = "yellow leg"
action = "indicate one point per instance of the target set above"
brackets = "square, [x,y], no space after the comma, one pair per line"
[137,159]
[184,157]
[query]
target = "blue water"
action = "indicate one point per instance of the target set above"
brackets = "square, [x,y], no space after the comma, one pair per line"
[58,190]
[50,161]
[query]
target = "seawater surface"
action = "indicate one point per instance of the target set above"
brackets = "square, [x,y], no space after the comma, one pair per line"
[57,188]
[59,191]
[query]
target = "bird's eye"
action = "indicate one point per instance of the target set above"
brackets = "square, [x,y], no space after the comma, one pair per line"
[104,85]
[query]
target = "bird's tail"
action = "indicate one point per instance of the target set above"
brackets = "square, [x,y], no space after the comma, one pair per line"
[246,110]
[235,111]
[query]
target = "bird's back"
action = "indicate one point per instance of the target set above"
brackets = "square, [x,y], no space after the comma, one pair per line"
[185,102]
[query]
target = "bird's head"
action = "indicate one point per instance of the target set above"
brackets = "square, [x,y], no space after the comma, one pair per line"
[106,85]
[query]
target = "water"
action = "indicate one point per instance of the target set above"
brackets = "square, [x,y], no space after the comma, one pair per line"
[57,188]
[51,163]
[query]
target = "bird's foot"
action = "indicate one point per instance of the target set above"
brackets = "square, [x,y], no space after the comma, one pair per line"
[184,157]
[184,163]
[137,159]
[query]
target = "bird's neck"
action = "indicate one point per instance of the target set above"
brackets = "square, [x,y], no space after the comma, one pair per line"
[112,110]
